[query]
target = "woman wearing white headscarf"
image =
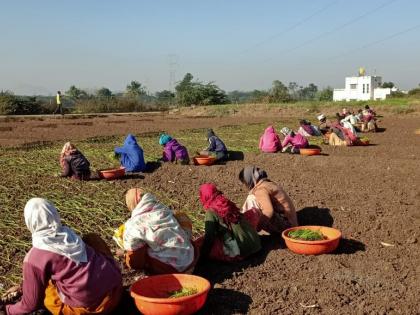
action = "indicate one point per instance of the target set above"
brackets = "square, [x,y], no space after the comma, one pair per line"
[324,124]
[61,272]
[274,207]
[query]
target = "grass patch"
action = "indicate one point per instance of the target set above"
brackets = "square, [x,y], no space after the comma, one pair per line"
[403,110]
[310,108]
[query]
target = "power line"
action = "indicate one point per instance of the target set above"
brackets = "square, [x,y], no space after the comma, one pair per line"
[367,45]
[384,39]
[340,27]
[292,27]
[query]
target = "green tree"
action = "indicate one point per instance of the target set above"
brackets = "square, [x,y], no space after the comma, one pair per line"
[18,105]
[397,94]
[325,94]
[189,92]
[294,90]
[186,93]
[211,94]
[135,89]
[75,93]
[104,93]
[165,97]
[279,92]
[308,93]
[186,82]
[259,96]
[388,85]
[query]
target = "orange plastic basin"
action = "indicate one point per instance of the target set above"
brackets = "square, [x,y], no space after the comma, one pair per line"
[363,142]
[151,294]
[313,247]
[204,160]
[310,151]
[112,173]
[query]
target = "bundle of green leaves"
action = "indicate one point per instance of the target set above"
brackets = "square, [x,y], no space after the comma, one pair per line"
[182,292]
[306,235]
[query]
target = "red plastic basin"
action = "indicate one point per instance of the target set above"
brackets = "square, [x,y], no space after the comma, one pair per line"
[313,247]
[151,294]
[112,173]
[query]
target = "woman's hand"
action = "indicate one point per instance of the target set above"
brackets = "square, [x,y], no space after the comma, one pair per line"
[12,294]
[13,290]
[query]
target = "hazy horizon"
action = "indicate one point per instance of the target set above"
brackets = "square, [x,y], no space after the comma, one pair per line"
[241,45]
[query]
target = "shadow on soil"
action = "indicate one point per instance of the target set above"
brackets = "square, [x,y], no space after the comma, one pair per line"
[126,305]
[152,166]
[322,216]
[217,271]
[368,145]
[315,216]
[235,156]
[132,176]
[349,246]
[232,156]
[226,302]
[314,146]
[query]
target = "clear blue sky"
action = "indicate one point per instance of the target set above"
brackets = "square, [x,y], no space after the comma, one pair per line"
[240,44]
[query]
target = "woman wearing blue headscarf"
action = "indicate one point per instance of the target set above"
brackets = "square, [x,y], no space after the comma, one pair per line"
[131,155]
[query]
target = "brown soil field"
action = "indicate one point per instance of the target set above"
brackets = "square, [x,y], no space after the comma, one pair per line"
[35,130]
[372,194]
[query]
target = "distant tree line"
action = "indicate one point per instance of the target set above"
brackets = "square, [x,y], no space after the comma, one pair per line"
[194,92]
[20,105]
[188,92]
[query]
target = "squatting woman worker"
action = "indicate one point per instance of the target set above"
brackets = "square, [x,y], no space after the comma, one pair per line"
[61,272]
[270,202]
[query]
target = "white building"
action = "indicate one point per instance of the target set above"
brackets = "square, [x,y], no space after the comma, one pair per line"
[362,88]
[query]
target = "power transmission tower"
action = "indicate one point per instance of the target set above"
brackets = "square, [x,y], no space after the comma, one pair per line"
[173,61]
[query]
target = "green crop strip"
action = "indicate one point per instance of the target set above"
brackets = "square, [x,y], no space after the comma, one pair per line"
[91,206]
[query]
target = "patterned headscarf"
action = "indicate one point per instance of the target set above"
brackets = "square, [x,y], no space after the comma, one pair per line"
[214,200]
[133,197]
[68,148]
